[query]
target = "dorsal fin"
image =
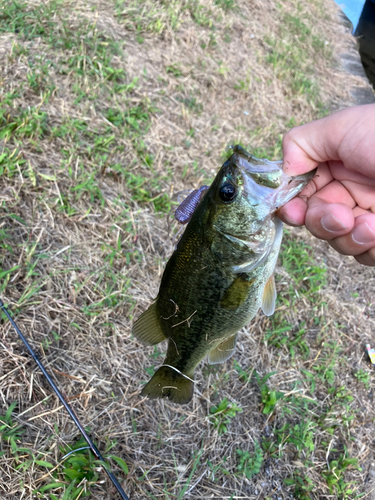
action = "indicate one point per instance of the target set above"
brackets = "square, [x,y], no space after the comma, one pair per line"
[269,297]
[223,351]
[147,328]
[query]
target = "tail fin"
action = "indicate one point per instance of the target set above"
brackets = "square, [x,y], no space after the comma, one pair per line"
[171,384]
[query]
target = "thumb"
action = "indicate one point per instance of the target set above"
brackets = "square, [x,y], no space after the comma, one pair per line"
[307,146]
[346,135]
[299,157]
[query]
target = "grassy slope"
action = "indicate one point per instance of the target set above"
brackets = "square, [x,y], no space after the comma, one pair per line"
[106,110]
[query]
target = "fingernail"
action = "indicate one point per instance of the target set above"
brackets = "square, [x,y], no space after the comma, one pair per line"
[363,234]
[331,224]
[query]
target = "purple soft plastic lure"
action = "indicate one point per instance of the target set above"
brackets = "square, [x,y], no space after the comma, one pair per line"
[186,209]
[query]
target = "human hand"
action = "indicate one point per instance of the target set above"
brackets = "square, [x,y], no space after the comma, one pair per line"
[338,205]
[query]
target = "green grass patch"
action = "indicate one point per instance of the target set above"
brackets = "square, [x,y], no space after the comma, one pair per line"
[80,472]
[297,258]
[290,54]
[250,464]
[155,17]
[335,477]
[222,414]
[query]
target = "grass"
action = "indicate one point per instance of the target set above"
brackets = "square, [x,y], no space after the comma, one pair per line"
[291,58]
[106,112]
[10,432]
[144,16]
[250,464]
[222,414]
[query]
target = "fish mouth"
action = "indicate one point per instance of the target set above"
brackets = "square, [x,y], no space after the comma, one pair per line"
[265,183]
[292,186]
[302,178]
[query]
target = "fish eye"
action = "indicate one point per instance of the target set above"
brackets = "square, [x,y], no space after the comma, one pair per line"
[227,192]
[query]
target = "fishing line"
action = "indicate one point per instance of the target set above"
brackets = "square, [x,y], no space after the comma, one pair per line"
[92,446]
[178,371]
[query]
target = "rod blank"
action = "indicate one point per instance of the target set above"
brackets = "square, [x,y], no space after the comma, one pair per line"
[92,446]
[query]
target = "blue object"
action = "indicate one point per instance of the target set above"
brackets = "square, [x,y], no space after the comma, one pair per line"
[352,9]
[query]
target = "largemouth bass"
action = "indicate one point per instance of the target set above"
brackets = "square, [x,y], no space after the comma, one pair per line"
[220,273]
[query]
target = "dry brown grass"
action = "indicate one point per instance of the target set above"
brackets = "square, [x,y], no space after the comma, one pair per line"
[87,247]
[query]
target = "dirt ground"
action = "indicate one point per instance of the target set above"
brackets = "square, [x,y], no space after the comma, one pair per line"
[107,110]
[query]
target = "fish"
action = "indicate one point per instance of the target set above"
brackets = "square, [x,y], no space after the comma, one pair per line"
[220,273]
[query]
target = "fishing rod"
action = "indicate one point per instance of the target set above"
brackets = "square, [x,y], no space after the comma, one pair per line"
[92,446]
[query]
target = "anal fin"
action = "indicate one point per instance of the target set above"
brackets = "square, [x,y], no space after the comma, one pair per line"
[269,297]
[223,351]
[147,328]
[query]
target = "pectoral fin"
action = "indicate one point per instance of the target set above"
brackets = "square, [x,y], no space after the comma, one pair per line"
[147,328]
[237,293]
[269,297]
[223,351]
